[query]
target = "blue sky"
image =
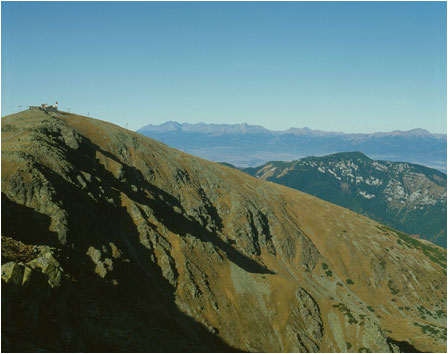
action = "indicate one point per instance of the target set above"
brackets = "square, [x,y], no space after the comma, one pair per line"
[353,66]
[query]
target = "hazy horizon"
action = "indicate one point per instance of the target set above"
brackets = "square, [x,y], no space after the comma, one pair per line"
[292,127]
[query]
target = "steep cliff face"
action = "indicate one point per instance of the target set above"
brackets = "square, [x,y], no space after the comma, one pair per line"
[115,242]
[408,197]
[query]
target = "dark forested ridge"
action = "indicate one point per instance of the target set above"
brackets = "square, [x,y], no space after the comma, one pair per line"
[407,197]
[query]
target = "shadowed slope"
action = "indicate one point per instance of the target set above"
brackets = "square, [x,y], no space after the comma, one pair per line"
[163,251]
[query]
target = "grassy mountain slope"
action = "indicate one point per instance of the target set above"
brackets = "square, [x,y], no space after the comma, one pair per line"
[116,242]
[408,197]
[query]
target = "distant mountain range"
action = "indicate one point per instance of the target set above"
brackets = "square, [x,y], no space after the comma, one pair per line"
[246,145]
[407,197]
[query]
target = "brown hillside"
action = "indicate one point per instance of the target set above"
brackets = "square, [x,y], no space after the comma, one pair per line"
[140,247]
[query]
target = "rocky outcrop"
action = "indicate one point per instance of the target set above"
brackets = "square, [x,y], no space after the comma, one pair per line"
[306,323]
[45,264]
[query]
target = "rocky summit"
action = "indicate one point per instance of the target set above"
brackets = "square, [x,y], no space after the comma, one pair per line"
[115,242]
[405,196]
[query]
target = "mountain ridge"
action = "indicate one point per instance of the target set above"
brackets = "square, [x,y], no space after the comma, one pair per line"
[146,248]
[408,197]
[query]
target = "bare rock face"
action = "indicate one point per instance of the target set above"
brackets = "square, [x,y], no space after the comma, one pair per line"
[115,242]
[13,273]
[306,323]
[20,274]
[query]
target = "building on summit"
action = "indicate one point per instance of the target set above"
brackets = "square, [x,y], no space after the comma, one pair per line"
[45,107]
